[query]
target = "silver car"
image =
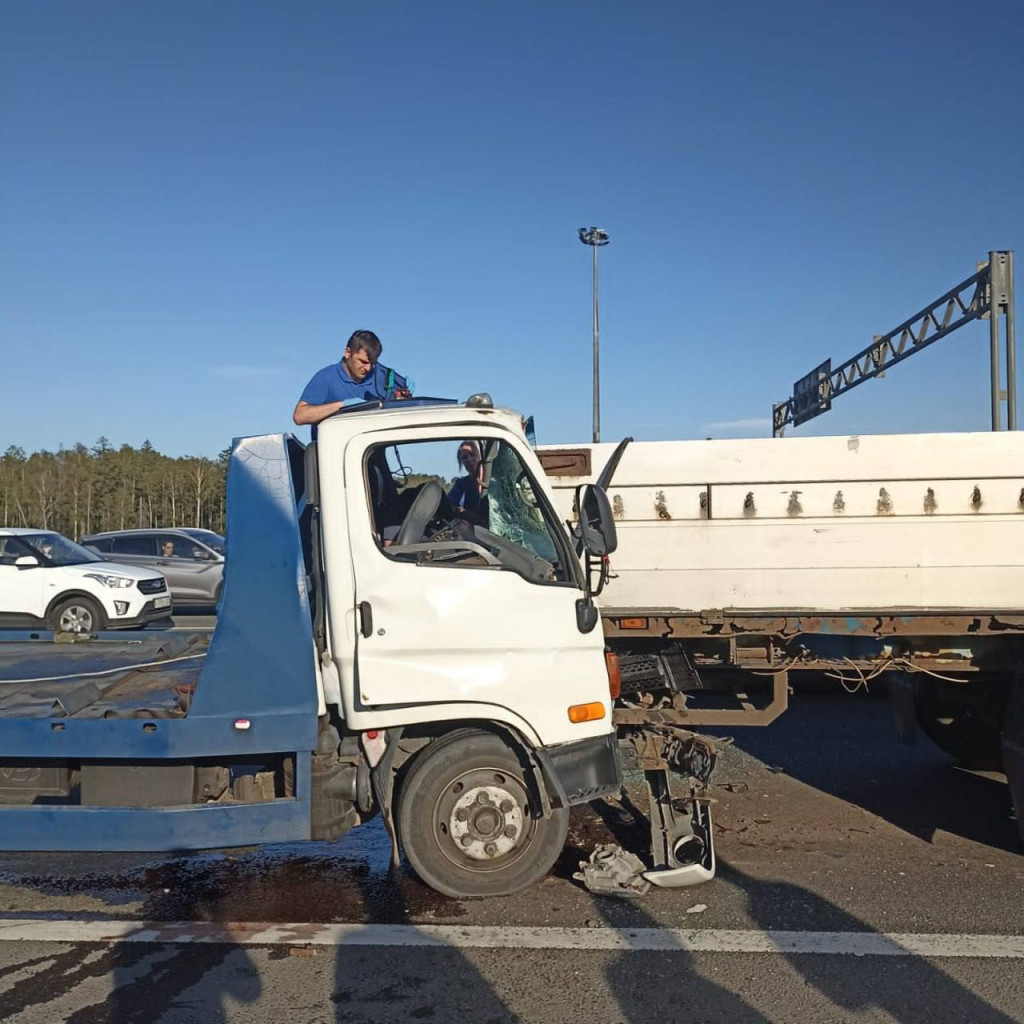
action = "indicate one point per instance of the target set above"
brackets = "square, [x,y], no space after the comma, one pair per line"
[192,560]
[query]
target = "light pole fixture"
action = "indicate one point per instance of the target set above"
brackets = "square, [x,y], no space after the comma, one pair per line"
[595,238]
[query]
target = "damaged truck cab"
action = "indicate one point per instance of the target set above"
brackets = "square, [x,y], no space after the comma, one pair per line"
[379,649]
[453,646]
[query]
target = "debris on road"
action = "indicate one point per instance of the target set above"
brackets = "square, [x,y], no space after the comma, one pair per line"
[611,871]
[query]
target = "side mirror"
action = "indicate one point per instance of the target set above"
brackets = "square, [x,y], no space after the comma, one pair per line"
[587,615]
[26,562]
[595,532]
[202,555]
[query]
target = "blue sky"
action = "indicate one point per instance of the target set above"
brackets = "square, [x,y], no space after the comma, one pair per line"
[200,201]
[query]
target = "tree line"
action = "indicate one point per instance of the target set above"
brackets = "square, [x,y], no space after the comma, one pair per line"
[78,491]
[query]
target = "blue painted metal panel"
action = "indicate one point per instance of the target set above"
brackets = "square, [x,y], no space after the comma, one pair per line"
[261,660]
[106,739]
[202,827]
[175,828]
[260,664]
[260,667]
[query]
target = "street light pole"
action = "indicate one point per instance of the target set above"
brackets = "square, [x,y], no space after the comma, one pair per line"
[595,238]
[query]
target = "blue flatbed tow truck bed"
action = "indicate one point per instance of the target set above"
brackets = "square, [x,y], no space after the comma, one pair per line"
[217,732]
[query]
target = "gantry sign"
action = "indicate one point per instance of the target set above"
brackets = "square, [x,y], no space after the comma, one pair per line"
[988,293]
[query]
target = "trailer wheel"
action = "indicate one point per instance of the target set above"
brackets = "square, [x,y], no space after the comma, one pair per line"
[465,823]
[1013,749]
[77,615]
[964,719]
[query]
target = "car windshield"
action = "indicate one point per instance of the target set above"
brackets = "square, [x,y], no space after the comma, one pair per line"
[209,538]
[58,550]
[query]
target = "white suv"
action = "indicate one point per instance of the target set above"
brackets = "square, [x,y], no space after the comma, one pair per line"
[46,579]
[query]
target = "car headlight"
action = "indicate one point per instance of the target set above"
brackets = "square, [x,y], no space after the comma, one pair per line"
[121,582]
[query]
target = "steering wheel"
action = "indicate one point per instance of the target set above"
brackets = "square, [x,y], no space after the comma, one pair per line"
[422,510]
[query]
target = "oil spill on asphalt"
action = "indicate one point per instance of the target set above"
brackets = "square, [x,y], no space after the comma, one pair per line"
[348,880]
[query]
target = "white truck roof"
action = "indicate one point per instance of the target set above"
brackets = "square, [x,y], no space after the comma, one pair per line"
[359,419]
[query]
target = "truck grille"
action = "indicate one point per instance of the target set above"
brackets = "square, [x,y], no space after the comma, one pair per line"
[153,586]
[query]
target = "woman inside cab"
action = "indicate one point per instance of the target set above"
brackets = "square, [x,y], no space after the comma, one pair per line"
[466,495]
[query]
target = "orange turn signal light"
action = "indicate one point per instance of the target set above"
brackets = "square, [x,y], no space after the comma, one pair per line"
[592,712]
[614,674]
[632,623]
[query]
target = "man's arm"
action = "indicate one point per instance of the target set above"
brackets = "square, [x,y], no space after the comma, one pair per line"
[306,414]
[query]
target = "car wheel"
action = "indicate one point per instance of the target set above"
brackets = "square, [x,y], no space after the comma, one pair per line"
[77,615]
[465,822]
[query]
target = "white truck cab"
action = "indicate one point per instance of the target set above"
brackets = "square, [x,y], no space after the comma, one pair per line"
[474,627]
[453,618]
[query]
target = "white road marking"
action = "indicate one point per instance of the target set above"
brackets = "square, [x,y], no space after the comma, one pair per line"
[709,940]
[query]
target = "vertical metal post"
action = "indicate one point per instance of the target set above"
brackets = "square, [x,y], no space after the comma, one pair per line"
[993,334]
[595,237]
[1011,345]
[597,368]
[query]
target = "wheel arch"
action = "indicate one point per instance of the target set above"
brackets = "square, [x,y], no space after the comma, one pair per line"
[64,595]
[544,793]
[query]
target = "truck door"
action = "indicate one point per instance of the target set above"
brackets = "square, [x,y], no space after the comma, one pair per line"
[454,607]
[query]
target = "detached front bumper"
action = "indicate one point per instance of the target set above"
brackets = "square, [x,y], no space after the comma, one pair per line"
[579,772]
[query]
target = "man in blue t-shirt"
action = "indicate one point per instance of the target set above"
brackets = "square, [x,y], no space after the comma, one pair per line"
[357,378]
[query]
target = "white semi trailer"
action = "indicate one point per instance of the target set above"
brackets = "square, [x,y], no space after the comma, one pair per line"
[740,559]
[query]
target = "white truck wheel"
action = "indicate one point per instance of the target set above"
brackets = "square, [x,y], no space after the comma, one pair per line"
[465,822]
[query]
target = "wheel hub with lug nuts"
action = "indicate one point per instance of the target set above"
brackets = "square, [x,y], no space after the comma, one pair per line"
[486,822]
[76,619]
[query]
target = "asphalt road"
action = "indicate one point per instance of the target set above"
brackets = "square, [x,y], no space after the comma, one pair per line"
[826,827]
[190,618]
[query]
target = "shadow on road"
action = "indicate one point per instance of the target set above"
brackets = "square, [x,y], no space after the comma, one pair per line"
[381,985]
[920,995]
[657,987]
[654,987]
[146,979]
[846,746]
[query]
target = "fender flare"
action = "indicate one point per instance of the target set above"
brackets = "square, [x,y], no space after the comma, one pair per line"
[544,789]
[65,594]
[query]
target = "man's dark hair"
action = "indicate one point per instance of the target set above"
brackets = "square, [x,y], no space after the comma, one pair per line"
[365,341]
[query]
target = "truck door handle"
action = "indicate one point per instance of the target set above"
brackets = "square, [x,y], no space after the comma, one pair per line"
[365,618]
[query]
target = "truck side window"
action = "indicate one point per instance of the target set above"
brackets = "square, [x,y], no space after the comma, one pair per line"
[464,503]
[134,544]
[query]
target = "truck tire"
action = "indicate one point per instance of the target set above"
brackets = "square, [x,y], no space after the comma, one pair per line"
[1013,749]
[964,719]
[77,615]
[465,823]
